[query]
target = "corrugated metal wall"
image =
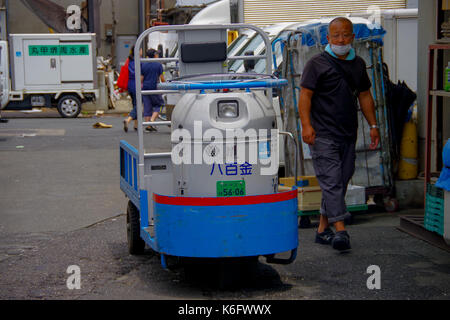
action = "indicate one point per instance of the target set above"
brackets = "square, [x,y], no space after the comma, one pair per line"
[267,12]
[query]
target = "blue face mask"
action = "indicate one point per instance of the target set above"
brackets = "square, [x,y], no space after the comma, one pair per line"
[341,50]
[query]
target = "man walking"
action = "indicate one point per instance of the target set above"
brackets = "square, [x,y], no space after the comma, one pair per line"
[153,73]
[332,84]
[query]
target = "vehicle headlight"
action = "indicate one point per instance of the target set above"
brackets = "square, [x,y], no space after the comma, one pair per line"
[228,109]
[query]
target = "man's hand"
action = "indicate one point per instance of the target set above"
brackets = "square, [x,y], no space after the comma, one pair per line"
[308,134]
[374,138]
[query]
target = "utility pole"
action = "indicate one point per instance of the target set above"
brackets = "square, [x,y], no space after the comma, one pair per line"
[94,20]
[3,20]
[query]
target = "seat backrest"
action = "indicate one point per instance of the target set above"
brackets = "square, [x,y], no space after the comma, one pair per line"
[202,52]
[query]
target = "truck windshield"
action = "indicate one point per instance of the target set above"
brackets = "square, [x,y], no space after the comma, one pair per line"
[235,45]
[260,66]
[252,45]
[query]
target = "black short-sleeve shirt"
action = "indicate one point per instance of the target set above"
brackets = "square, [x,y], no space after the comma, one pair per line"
[333,106]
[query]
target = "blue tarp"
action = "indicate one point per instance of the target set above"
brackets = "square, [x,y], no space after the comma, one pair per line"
[316,33]
[444,179]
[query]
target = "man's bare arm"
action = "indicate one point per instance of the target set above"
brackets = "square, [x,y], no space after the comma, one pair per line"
[304,107]
[368,109]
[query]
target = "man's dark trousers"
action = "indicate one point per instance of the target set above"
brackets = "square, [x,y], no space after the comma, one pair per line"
[334,165]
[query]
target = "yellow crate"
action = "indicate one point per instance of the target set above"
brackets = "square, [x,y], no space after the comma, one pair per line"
[305,181]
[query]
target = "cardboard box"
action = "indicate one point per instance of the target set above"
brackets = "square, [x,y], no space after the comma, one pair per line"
[303,181]
[309,198]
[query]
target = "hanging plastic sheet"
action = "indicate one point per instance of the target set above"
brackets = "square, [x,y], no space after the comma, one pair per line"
[316,33]
[399,99]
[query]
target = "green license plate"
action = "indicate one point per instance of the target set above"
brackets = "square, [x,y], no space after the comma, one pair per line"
[230,188]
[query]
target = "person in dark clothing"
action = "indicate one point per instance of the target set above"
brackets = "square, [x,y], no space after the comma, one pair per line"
[160,51]
[249,65]
[332,84]
[132,90]
[153,73]
[3,120]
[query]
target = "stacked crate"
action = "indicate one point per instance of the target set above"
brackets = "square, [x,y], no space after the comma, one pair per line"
[309,192]
[434,209]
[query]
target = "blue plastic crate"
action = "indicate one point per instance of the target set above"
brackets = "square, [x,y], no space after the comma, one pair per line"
[434,201]
[434,212]
[434,209]
[434,228]
[435,191]
[434,220]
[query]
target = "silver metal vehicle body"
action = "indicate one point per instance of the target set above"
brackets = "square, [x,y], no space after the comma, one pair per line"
[254,111]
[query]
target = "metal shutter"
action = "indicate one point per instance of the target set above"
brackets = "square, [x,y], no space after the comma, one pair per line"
[267,12]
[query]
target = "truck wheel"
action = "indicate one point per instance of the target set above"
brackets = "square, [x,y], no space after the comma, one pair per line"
[69,106]
[135,243]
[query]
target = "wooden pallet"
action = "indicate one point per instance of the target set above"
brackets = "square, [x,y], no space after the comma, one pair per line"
[414,225]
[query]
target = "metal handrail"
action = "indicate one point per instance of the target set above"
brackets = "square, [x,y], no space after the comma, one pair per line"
[157,123]
[285,133]
[138,59]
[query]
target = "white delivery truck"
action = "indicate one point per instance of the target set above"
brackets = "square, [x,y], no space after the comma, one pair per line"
[48,70]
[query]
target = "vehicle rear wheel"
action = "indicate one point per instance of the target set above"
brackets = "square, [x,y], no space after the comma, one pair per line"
[135,243]
[69,106]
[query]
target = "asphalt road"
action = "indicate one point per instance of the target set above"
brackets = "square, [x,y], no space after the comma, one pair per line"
[61,205]
[62,174]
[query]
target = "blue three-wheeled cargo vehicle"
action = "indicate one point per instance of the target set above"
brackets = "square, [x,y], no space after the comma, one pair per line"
[215,195]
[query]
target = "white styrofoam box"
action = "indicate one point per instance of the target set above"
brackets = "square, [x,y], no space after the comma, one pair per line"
[355,195]
[447,217]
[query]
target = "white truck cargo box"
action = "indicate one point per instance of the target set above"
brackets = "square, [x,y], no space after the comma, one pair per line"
[49,62]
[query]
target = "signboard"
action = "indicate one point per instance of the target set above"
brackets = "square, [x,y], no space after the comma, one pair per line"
[59,50]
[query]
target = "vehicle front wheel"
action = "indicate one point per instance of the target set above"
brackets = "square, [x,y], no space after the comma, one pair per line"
[69,106]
